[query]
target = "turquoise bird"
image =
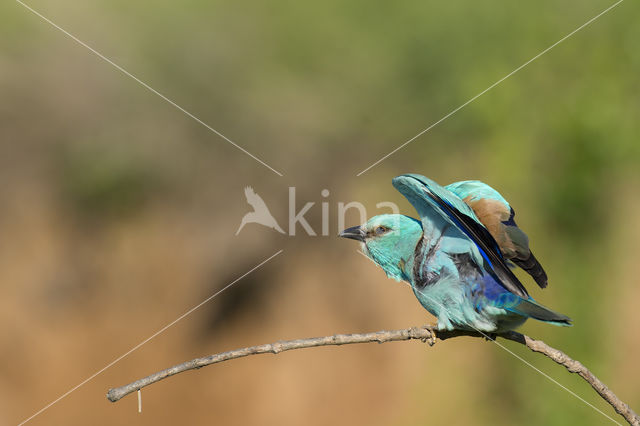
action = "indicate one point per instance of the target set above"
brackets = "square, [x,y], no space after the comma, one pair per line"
[457,265]
[495,213]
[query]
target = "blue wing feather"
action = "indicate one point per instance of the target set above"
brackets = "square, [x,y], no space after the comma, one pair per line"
[428,197]
[477,190]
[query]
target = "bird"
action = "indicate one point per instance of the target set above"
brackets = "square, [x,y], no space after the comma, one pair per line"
[495,213]
[260,213]
[454,265]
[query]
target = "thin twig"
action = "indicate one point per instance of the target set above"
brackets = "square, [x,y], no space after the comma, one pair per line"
[576,367]
[426,334]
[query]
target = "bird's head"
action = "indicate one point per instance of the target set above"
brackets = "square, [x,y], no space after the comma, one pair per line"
[389,240]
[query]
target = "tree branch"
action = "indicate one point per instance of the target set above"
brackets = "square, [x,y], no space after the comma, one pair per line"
[426,334]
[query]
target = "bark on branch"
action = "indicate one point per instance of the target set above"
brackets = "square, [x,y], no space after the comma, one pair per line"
[425,334]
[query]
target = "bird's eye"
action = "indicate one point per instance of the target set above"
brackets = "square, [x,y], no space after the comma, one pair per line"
[381,230]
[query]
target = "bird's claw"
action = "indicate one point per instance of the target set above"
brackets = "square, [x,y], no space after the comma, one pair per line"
[431,340]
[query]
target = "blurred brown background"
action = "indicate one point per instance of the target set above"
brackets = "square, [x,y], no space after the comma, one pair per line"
[118,212]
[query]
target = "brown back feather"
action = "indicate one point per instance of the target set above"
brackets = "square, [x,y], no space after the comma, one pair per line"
[513,242]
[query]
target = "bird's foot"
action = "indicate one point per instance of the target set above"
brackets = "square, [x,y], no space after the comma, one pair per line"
[432,339]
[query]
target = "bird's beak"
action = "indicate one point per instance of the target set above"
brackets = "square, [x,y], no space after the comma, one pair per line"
[355,233]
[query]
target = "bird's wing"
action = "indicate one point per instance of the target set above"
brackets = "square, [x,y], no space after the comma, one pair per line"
[495,213]
[255,200]
[427,197]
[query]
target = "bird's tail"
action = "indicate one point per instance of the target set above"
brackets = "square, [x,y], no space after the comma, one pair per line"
[531,308]
[533,268]
[244,222]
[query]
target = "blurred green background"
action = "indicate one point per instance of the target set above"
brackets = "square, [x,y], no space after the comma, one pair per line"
[118,212]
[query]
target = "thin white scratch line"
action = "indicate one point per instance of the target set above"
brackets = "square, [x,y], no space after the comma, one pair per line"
[549,377]
[491,87]
[149,338]
[145,85]
[514,354]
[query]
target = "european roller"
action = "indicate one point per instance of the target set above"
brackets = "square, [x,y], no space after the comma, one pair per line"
[495,213]
[457,256]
